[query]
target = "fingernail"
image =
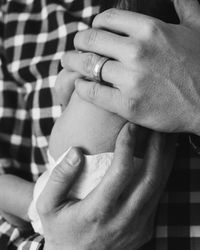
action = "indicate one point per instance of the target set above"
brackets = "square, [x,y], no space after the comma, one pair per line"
[73,157]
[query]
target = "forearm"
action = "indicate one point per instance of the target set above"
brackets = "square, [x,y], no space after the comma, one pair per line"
[15,196]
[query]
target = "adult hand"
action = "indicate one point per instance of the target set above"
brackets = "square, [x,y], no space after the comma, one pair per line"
[64,86]
[116,215]
[155,67]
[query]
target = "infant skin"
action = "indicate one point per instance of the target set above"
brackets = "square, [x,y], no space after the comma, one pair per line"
[94,131]
[86,126]
[81,125]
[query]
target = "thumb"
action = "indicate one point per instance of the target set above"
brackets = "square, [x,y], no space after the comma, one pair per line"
[55,193]
[188,12]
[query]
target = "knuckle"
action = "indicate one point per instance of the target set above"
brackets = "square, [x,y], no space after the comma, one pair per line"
[137,80]
[96,217]
[101,215]
[104,214]
[93,92]
[97,213]
[91,37]
[91,217]
[153,27]
[110,14]
[134,94]
[136,51]
[59,171]
[140,50]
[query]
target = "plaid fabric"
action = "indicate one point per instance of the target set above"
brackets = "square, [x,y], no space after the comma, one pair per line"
[12,238]
[33,36]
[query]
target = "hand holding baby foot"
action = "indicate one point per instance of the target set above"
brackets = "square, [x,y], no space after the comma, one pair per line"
[100,221]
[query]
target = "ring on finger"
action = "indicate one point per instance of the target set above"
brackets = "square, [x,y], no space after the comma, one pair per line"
[97,71]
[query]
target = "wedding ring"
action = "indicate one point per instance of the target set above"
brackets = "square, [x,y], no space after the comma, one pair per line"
[97,71]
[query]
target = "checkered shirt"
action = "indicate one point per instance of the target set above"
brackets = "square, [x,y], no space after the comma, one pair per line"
[34,34]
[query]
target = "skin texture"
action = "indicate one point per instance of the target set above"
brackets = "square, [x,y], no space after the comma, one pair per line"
[115,215]
[100,126]
[120,210]
[15,198]
[154,69]
[86,126]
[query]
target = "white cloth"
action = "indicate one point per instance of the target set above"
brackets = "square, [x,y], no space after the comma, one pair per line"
[94,169]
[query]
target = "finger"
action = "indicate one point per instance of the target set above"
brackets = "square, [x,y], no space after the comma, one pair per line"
[149,206]
[120,172]
[64,86]
[100,95]
[60,182]
[188,12]
[113,71]
[157,166]
[105,43]
[126,22]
